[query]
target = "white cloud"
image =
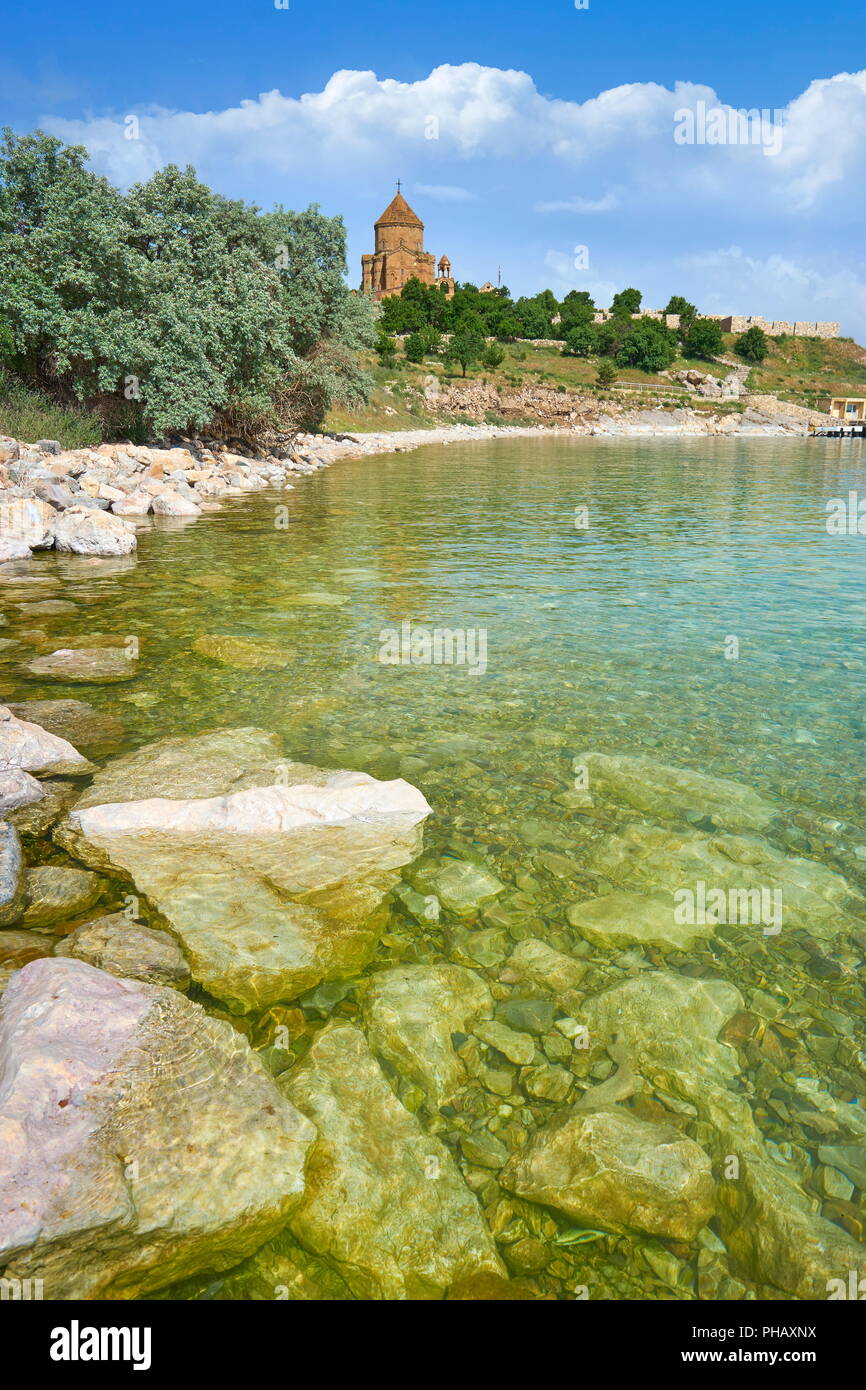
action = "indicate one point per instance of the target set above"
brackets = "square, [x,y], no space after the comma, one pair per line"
[782,287]
[470,113]
[608,203]
[444,192]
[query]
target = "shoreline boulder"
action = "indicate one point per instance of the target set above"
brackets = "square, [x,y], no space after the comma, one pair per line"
[142,1140]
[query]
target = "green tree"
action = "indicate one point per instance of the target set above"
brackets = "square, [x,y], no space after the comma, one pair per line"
[627,302]
[704,339]
[650,345]
[752,345]
[492,356]
[581,340]
[432,340]
[466,344]
[386,350]
[509,328]
[609,336]
[607,373]
[415,348]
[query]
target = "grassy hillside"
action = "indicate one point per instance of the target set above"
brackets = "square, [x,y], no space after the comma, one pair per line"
[805,369]
[802,370]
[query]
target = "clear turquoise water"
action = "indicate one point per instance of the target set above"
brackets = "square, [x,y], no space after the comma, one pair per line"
[611,638]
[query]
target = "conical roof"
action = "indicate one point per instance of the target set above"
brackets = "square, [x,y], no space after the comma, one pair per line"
[399,214]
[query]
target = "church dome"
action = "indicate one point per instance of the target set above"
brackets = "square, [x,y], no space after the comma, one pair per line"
[399,214]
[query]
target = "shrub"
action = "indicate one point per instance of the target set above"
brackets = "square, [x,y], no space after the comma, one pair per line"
[493,356]
[752,345]
[607,373]
[415,348]
[581,340]
[188,310]
[704,339]
[649,345]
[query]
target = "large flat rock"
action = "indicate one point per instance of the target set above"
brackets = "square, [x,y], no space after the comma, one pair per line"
[140,1140]
[652,858]
[667,792]
[385,1204]
[270,886]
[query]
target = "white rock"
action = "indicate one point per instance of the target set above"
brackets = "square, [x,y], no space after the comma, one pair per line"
[134,504]
[141,1140]
[172,504]
[27,519]
[18,788]
[11,549]
[93,533]
[31,748]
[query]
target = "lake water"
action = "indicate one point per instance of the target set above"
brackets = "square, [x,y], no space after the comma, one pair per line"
[680,600]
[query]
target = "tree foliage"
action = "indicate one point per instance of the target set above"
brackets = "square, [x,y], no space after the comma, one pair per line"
[649,345]
[703,339]
[752,345]
[170,302]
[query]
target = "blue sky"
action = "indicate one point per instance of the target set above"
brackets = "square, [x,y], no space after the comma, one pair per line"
[522,132]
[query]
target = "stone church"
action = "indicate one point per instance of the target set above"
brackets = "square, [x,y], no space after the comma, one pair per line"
[400,254]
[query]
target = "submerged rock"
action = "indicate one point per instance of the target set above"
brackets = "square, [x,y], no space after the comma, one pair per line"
[668,1027]
[651,858]
[410,1014]
[142,1140]
[53,894]
[385,1204]
[608,1168]
[75,720]
[11,875]
[636,919]
[545,967]
[669,792]
[25,745]
[270,889]
[87,665]
[38,816]
[464,888]
[244,653]
[128,949]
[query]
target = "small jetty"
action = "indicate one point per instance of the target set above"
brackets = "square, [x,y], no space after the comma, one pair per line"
[855,430]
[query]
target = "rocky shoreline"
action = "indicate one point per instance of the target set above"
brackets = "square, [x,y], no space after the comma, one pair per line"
[91,501]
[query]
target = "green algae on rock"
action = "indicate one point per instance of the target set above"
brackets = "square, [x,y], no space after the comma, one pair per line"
[54,893]
[410,1014]
[384,1203]
[85,665]
[244,653]
[608,1168]
[669,792]
[636,919]
[128,949]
